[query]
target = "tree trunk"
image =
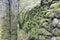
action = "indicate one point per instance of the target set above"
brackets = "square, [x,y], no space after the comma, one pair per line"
[8,19]
[14,18]
[4,20]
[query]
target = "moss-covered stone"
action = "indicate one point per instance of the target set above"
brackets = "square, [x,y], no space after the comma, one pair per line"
[44,31]
[58,38]
[56,31]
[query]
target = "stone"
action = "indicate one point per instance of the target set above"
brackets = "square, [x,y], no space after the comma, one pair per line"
[58,25]
[56,31]
[53,38]
[55,22]
[57,14]
[42,37]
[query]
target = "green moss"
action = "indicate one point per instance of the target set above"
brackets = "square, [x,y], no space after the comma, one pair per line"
[22,35]
[34,33]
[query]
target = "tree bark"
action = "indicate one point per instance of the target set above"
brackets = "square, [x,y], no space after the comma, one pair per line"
[8,19]
[4,11]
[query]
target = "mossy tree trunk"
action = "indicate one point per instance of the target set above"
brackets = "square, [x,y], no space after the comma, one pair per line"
[4,14]
[14,18]
[8,19]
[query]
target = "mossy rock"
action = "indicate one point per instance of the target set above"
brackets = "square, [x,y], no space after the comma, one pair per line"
[58,38]
[56,31]
[55,5]
[34,33]
[44,32]
[50,14]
